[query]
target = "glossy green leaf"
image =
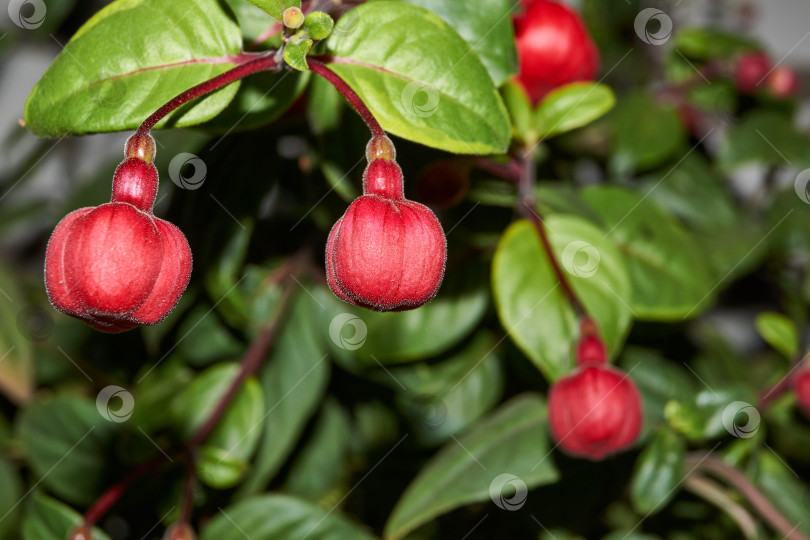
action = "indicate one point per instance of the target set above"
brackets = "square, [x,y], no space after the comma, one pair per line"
[325,107]
[111,75]
[280,517]
[205,338]
[157,392]
[646,133]
[10,497]
[531,304]
[48,519]
[507,449]
[715,412]
[571,106]
[276,8]
[295,52]
[670,277]
[487,29]
[520,111]
[449,102]
[261,99]
[65,438]
[321,464]
[708,43]
[293,379]
[782,488]
[360,338]
[255,22]
[658,473]
[442,398]
[779,331]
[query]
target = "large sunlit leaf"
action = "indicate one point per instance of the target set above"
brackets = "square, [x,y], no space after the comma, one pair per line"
[571,106]
[450,102]
[131,58]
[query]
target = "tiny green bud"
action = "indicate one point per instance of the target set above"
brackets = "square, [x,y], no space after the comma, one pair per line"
[295,52]
[380,148]
[141,146]
[293,18]
[319,25]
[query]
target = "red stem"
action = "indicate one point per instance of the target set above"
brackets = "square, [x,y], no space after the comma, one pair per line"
[758,501]
[351,96]
[114,492]
[527,207]
[188,495]
[508,171]
[248,65]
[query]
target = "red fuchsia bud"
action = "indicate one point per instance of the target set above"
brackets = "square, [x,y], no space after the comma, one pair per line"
[783,82]
[116,267]
[179,531]
[141,146]
[750,70]
[553,47]
[135,182]
[591,349]
[801,386]
[443,183]
[595,411]
[386,253]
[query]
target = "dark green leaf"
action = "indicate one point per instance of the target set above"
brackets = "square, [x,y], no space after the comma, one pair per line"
[325,106]
[711,413]
[443,398]
[17,365]
[279,517]
[571,106]
[779,331]
[766,138]
[276,8]
[449,102]
[112,74]
[205,339]
[509,448]
[520,111]
[65,439]
[10,497]
[532,306]
[48,519]
[293,378]
[670,277]
[487,29]
[782,487]
[647,133]
[658,472]
[707,43]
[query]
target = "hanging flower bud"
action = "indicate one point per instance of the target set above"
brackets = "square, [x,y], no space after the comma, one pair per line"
[117,266]
[179,531]
[801,386]
[554,48]
[386,253]
[595,411]
[590,347]
[783,82]
[750,70]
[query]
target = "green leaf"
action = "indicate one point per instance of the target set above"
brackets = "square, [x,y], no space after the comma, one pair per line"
[507,449]
[670,277]
[295,52]
[65,438]
[658,472]
[17,365]
[255,23]
[783,489]
[325,107]
[707,43]
[571,106]
[205,338]
[442,398]
[531,304]
[261,99]
[448,102]
[520,111]
[48,519]
[321,463]
[131,58]
[715,412]
[487,29]
[10,497]
[764,137]
[157,392]
[646,133]
[293,379]
[276,8]
[280,517]
[779,331]
[319,25]
[391,338]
